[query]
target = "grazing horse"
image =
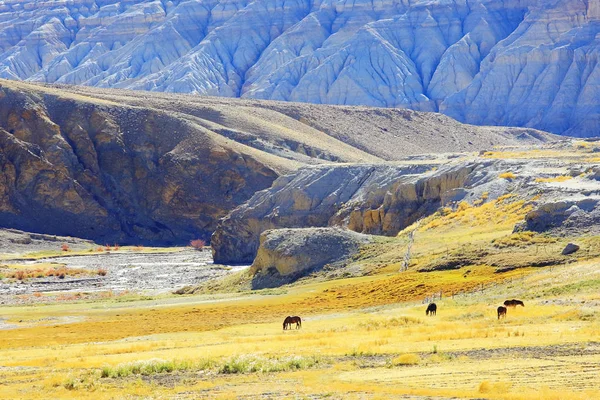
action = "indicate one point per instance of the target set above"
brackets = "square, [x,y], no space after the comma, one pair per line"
[501,312]
[287,323]
[431,309]
[513,303]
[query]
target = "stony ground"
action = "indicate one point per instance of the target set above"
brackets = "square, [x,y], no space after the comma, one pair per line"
[141,272]
[135,270]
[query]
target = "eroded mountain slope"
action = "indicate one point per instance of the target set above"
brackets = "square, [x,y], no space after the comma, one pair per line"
[137,167]
[530,63]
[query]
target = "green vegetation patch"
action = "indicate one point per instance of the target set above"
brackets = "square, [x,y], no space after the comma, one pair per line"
[244,364]
[573,288]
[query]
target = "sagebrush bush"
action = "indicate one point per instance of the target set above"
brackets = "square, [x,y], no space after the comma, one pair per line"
[236,365]
[251,364]
[522,239]
[149,367]
[20,275]
[561,178]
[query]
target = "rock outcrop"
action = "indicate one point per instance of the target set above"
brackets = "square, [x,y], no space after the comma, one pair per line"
[73,166]
[531,63]
[285,255]
[562,195]
[371,199]
[569,215]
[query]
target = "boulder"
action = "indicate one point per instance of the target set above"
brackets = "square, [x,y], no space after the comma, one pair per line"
[570,249]
[285,255]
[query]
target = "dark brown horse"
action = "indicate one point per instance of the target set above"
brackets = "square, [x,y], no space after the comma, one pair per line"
[513,303]
[501,312]
[431,309]
[287,323]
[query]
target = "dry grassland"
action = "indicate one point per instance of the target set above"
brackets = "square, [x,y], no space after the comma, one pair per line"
[362,337]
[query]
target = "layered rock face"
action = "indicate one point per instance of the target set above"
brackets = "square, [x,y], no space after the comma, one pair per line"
[371,199]
[285,255]
[564,198]
[531,63]
[75,167]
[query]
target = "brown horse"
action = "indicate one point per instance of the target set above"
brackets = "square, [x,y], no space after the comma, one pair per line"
[501,312]
[287,323]
[513,303]
[431,309]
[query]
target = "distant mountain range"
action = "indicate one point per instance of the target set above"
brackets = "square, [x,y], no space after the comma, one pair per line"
[530,63]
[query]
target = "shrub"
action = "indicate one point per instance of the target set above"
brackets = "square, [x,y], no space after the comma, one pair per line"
[65,247]
[463,206]
[252,364]
[149,367]
[198,244]
[116,247]
[99,249]
[102,272]
[582,145]
[20,275]
[86,382]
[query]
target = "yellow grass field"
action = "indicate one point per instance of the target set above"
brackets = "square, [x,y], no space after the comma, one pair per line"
[364,337]
[352,344]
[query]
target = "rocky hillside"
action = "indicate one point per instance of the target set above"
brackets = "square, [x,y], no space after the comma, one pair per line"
[530,63]
[560,186]
[132,167]
[374,199]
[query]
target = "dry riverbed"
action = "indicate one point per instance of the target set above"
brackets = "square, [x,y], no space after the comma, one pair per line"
[77,274]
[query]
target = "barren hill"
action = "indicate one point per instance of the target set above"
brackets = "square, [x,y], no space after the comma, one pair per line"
[146,167]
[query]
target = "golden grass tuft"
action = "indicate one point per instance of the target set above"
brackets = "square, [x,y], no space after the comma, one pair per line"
[507,175]
[407,359]
[523,239]
[560,178]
